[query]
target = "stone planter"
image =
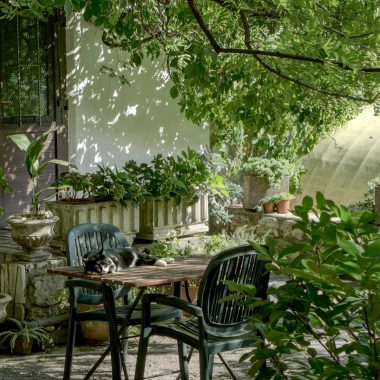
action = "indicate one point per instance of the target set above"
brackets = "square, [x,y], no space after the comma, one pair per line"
[73,213]
[4,300]
[32,235]
[163,218]
[256,188]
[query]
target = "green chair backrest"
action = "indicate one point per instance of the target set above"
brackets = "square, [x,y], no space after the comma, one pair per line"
[87,237]
[242,266]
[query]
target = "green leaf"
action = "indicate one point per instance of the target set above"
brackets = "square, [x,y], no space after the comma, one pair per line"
[321,201]
[373,249]
[307,203]
[21,141]
[174,92]
[350,247]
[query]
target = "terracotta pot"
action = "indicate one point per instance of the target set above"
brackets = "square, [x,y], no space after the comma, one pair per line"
[282,207]
[268,208]
[94,332]
[23,346]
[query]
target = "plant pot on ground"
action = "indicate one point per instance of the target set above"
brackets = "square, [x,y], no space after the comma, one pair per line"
[22,337]
[34,230]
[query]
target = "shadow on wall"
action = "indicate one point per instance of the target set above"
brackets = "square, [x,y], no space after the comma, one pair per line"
[110,122]
[341,166]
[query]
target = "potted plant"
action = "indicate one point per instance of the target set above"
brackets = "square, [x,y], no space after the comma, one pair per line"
[268,204]
[177,204]
[264,177]
[282,202]
[106,196]
[34,230]
[22,337]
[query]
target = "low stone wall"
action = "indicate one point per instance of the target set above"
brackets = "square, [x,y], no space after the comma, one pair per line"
[36,294]
[276,225]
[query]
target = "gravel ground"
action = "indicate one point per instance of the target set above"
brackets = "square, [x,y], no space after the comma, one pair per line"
[162,364]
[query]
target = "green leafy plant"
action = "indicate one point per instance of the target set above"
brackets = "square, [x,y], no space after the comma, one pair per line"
[33,155]
[271,169]
[368,202]
[23,331]
[279,197]
[323,321]
[183,177]
[121,186]
[75,185]
[170,248]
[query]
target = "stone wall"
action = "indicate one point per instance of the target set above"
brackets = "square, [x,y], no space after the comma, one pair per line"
[36,294]
[276,225]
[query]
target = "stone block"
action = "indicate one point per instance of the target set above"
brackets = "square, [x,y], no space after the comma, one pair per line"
[47,290]
[268,226]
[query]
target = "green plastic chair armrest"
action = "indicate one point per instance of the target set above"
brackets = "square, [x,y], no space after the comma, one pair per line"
[179,303]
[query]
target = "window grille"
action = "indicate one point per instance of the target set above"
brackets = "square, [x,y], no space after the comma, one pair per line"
[28,94]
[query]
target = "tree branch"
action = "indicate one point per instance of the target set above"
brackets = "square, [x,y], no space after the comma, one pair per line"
[256,53]
[276,54]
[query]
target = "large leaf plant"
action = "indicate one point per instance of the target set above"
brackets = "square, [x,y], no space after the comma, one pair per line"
[35,166]
[323,321]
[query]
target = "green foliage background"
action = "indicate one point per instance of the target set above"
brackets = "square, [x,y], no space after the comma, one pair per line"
[270,76]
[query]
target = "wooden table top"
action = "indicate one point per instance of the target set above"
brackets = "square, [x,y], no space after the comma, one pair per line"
[184,268]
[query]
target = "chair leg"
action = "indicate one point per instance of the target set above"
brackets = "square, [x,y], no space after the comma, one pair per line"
[69,348]
[141,355]
[125,345]
[210,366]
[204,363]
[183,360]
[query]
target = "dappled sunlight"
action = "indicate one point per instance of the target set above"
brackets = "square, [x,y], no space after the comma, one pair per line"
[110,122]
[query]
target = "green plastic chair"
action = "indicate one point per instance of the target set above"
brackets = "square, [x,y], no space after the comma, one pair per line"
[213,327]
[81,239]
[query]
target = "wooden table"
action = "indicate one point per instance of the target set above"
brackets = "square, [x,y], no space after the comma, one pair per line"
[185,268]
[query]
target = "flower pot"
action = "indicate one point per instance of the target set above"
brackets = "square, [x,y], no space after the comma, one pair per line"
[282,207]
[4,300]
[23,346]
[268,208]
[94,332]
[32,235]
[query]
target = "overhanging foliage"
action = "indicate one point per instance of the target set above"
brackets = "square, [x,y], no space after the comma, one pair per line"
[282,71]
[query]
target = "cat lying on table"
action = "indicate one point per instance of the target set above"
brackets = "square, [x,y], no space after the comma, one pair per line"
[117,259]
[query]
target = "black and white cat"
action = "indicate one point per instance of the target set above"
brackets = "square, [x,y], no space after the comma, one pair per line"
[117,259]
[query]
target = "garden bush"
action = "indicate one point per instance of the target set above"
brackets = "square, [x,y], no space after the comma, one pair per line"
[324,321]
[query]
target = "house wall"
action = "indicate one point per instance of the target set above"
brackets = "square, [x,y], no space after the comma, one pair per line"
[109,122]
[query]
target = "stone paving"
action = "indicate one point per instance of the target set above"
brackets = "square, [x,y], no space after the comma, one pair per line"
[162,364]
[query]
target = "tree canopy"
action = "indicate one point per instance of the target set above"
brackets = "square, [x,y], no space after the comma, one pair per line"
[279,73]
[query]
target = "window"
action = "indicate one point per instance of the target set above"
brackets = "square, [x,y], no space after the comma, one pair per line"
[27,72]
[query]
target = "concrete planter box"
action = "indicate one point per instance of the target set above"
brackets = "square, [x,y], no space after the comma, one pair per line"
[163,218]
[71,214]
[256,188]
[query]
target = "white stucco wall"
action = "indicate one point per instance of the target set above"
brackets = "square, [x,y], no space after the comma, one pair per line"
[109,122]
[341,165]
